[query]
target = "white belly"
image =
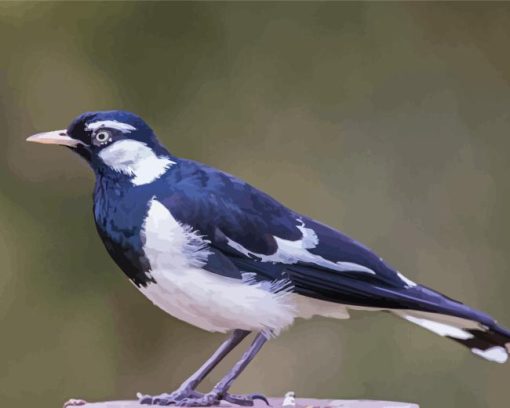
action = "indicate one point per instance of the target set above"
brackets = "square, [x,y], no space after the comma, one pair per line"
[212,302]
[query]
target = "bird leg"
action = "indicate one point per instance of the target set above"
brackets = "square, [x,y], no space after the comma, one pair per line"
[187,389]
[220,390]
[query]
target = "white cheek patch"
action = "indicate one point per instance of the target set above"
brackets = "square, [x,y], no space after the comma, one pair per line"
[497,354]
[135,159]
[291,252]
[111,124]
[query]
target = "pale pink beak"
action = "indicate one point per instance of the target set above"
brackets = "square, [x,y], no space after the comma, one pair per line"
[58,137]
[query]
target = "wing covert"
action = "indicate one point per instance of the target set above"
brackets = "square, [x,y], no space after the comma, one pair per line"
[258,234]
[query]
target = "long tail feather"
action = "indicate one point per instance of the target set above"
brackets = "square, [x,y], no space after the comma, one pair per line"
[491,343]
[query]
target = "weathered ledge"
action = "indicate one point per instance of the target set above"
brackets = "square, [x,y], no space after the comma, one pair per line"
[276,403]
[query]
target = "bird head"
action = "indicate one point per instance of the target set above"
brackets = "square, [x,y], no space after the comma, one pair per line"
[114,143]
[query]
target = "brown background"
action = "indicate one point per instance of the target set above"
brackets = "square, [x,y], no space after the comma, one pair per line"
[388,121]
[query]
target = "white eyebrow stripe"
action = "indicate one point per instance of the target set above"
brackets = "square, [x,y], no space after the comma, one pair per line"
[112,124]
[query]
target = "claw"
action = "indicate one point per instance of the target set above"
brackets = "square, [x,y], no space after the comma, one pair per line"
[238,401]
[260,397]
[245,400]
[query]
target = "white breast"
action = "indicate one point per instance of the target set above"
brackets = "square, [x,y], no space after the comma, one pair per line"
[212,302]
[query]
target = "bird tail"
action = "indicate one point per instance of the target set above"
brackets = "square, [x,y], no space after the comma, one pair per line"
[473,329]
[415,303]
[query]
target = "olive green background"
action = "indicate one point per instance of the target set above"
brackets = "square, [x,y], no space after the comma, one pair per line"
[389,121]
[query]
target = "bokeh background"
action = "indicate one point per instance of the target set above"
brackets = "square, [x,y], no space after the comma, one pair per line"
[389,121]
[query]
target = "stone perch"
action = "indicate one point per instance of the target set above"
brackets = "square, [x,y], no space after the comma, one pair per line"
[275,403]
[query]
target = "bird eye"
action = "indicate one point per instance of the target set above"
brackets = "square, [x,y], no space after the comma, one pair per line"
[103,136]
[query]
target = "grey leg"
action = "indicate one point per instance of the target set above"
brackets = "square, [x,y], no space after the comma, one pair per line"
[220,390]
[187,389]
[223,386]
[227,346]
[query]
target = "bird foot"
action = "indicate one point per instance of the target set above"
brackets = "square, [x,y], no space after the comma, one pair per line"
[168,398]
[214,398]
[196,399]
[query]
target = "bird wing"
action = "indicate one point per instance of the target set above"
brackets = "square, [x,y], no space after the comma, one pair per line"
[249,231]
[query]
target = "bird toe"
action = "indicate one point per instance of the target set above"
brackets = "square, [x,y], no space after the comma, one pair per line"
[165,399]
[247,400]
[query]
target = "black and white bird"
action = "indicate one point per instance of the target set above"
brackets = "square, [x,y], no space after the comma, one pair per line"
[213,251]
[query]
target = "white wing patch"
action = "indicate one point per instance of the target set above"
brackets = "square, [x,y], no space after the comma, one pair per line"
[440,328]
[111,124]
[497,354]
[135,159]
[409,283]
[212,302]
[291,252]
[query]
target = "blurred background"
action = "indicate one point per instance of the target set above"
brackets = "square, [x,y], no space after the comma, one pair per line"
[388,121]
